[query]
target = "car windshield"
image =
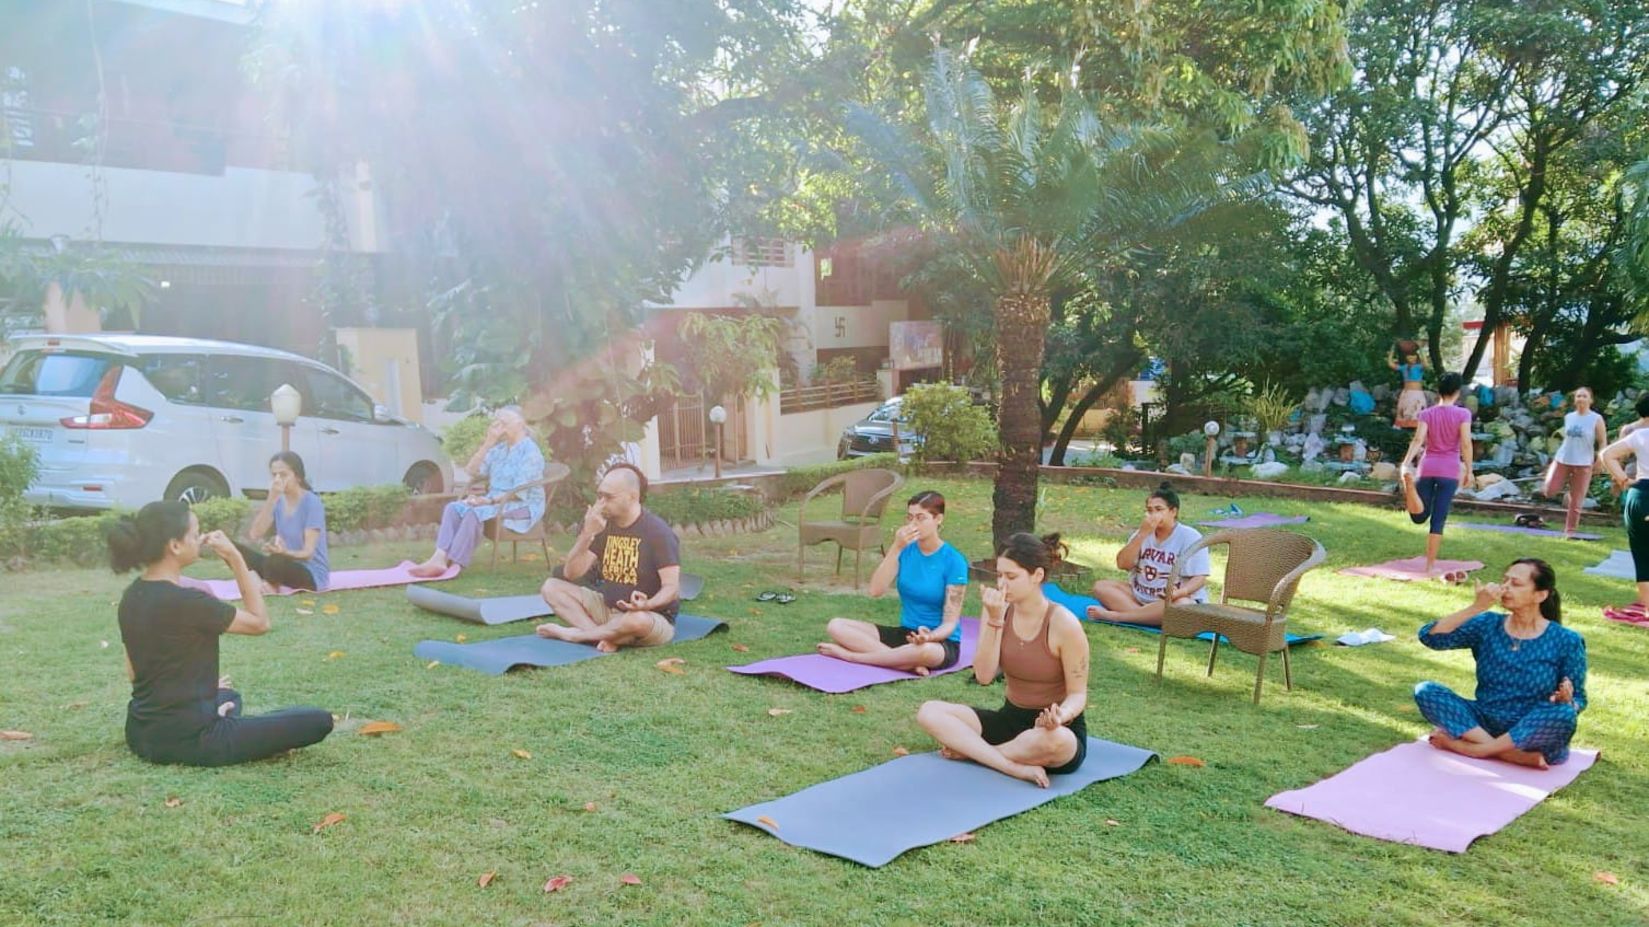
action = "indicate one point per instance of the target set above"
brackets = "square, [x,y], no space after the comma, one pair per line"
[65,373]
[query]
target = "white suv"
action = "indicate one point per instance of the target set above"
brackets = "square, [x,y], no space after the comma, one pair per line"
[121,420]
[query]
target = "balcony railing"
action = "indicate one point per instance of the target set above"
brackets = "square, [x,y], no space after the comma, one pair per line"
[828,396]
[762,252]
[31,134]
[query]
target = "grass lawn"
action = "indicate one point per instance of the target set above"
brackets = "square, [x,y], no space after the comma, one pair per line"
[87,836]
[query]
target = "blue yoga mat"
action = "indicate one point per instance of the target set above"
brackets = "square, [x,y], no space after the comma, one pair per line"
[1078,604]
[498,657]
[871,817]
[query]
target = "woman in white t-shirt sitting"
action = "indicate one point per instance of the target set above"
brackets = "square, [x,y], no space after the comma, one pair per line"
[1148,557]
[1584,436]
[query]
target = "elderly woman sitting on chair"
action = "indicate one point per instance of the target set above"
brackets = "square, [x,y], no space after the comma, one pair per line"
[514,466]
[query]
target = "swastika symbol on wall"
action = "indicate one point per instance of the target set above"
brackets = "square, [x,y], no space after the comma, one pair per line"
[841,326]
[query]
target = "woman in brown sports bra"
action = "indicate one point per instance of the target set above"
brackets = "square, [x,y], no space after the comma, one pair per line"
[1042,650]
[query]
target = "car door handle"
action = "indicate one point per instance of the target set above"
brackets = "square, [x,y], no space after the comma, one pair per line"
[232,419]
[330,431]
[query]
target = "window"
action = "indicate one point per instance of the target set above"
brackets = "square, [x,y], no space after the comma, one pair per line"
[761,252]
[43,373]
[335,397]
[176,376]
[244,383]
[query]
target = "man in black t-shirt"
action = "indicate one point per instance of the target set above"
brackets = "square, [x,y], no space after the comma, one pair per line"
[634,559]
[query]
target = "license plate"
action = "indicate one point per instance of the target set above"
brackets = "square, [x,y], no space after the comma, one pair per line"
[37,435]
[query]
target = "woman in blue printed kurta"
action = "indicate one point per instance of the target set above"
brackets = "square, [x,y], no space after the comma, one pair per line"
[1531,672]
[513,467]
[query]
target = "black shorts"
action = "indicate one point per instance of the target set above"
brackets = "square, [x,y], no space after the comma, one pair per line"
[1009,721]
[894,636]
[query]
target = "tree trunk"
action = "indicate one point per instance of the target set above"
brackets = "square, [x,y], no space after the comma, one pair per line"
[1021,326]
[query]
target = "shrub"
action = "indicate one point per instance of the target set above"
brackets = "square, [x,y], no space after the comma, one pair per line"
[951,426]
[18,467]
[226,515]
[837,370]
[695,506]
[76,540]
[365,507]
[798,481]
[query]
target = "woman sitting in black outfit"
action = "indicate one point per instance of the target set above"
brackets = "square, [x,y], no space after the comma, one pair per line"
[181,710]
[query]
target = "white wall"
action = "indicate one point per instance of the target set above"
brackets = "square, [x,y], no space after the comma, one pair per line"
[803,438]
[242,208]
[857,326]
[713,285]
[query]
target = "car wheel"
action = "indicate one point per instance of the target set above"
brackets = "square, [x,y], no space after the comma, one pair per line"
[424,477]
[194,486]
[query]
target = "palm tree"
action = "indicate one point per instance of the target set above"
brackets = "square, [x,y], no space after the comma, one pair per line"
[1032,201]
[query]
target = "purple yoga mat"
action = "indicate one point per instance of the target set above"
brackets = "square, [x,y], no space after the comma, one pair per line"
[1257,520]
[1416,793]
[1411,569]
[828,674]
[226,589]
[1517,529]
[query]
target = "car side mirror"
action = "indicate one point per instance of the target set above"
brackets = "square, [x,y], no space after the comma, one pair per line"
[380,414]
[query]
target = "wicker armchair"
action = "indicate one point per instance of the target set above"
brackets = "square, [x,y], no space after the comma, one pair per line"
[865,494]
[554,473]
[1263,566]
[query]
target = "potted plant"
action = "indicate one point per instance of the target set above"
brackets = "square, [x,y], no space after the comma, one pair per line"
[1271,408]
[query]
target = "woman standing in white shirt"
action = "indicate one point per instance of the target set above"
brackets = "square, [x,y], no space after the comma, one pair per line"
[1634,442]
[1584,437]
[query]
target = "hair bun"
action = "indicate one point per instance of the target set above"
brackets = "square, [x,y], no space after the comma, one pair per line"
[1164,485]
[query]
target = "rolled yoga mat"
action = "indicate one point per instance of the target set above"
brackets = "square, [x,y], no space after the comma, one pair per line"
[492,610]
[1415,793]
[1257,520]
[1617,565]
[227,590]
[1519,529]
[1409,570]
[1078,605]
[497,657]
[828,674]
[871,817]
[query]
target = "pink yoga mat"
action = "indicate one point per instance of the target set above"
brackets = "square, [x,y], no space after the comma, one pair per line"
[1626,618]
[226,589]
[828,674]
[1416,793]
[1257,520]
[1411,569]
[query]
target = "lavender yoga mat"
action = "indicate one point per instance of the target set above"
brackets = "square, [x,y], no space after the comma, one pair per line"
[1078,606]
[226,589]
[1415,793]
[1518,529]
[1617,565]
[828,674]
[1411,569]
[1257,520]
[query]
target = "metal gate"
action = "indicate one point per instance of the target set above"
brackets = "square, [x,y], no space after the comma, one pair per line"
[686,438]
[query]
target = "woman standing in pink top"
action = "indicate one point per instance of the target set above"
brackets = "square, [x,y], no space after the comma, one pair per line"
[1444,435]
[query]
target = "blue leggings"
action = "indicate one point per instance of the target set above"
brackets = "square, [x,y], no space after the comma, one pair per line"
[1546,728]
[1437,494]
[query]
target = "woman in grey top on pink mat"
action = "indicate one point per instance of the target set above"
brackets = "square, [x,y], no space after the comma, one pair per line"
[1444,438]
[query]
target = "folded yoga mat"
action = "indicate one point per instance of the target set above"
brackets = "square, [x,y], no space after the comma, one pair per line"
[227,590]
[871,817]
[1411,569]
[1518,529]
[828,674]
[1257,520]
[1416,793]
[498,657]
[1617,565]
[492,610]
[1078,604]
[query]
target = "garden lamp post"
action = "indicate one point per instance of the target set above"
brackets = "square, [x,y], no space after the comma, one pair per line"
[718,417]
[1212,430]
[287,404]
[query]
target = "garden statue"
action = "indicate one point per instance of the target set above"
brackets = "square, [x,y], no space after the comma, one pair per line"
[1412,371]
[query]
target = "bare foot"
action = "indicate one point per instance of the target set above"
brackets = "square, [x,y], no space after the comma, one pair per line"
[1035,775]
[1523,758]
[949,754]
[1440,739]
[606,646]
[550,629]
[919,670]
[268,587]
[427,569]
[1411,497]
[833,649]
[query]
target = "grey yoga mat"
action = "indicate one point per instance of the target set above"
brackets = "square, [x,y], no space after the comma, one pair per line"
[504,609]
[871,817]
[498,657]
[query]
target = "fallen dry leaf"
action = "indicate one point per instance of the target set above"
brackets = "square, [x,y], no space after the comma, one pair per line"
[308,602]
[329,609]
[103,644]
[1607,878]
[629,878]
[522,754]
[373,728]
[672,665]
[740,648]
[304,611]
[968,837]
[1130,650]
[589,806]
[900,751]
[767,822]
[1307,727]
[1112,822]
[333,655]
[461,638]
[16,735]
[174,802]
[331,819]
[432,664]
[1186,761]
[859,709]
[778,712]
[486,879]
[557,883]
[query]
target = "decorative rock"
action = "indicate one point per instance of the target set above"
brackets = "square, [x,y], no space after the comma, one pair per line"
[1269,471]
[1384,471]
